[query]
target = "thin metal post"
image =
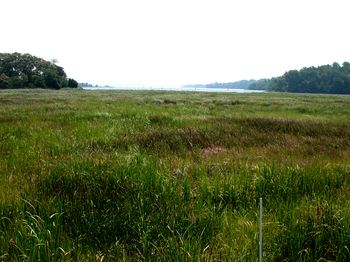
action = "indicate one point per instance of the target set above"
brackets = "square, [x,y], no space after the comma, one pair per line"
[260,231]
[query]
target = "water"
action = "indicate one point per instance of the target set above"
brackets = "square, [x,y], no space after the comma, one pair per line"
[179,89]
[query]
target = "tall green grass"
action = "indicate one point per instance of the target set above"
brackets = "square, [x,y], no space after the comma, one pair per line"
[99,176]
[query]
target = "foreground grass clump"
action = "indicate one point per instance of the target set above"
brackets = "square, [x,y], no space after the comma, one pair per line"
[172,176]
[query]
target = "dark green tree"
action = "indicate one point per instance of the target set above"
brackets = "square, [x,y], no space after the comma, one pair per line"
[72,83]
[332,79]
[27,71]
[4,81]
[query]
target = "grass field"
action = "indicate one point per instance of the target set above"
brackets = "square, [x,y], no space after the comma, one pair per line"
[162,176]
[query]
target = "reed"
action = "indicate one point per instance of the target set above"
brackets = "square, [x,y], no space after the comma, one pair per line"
[158,176]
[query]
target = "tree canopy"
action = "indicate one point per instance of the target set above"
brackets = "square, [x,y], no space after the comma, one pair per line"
[331,79]
[27,71]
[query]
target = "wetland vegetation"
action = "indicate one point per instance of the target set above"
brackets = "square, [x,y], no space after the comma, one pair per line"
[165,176]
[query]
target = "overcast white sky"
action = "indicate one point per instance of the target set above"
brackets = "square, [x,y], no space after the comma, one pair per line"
[163,42]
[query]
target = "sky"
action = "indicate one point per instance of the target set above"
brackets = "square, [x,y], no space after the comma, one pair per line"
[177,42]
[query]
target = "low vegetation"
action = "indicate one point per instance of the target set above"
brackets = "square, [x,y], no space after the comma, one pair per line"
[162,176]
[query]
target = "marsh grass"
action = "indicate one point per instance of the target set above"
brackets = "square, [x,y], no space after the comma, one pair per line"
[93,176]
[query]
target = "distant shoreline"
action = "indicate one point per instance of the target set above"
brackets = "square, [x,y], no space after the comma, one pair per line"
[179,89]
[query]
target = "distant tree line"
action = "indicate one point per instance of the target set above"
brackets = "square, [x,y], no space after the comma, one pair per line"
[243,84]
[86,85]
[330,79]
[27,71]
[261,84]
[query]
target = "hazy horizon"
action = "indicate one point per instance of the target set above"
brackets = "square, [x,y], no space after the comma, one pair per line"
[174,43]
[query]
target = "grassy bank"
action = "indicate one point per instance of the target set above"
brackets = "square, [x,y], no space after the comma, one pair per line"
[87,175]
